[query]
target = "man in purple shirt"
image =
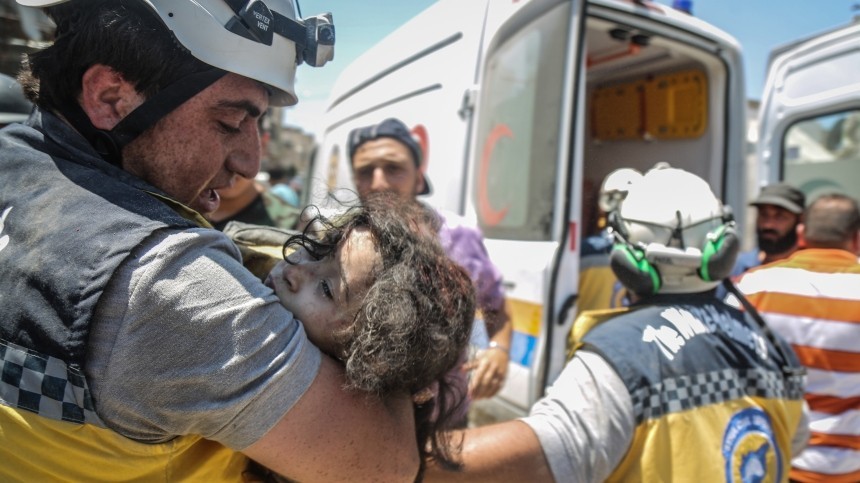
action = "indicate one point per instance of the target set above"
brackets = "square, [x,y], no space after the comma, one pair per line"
[386,157]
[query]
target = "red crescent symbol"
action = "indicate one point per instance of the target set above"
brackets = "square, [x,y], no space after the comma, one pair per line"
[489,215]
[420,132]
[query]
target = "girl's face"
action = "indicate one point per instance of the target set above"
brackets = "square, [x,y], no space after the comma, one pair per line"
[325,295]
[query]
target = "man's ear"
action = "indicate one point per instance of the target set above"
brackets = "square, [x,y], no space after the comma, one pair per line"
[801,235]
[106,97]
[855,243]
[419,184]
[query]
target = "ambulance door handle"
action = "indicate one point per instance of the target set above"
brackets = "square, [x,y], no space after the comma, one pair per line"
[467,104]
[566,307]
[508,285]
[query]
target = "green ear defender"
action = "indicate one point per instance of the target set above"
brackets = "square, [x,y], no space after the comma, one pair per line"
[628,262]
[719,253]
[633,270]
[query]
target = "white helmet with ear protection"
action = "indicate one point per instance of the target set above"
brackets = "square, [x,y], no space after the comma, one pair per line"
[676,236]
[615,187]
[264,41]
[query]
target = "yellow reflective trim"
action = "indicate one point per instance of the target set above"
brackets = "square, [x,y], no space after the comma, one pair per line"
[586,321]
[675,444]
[33,448]
[526,316]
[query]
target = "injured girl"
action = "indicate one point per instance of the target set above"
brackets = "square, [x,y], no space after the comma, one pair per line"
[375,290]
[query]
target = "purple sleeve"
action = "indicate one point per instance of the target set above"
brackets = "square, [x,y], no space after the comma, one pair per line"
[465,245]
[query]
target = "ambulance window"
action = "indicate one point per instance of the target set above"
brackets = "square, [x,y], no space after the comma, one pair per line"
[517,134]
[822,154]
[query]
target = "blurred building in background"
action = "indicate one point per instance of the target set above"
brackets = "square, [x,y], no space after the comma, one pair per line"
[22,30]
[288,145]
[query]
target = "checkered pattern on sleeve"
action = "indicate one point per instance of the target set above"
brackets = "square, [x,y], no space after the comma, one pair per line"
[44,385]
[687,392]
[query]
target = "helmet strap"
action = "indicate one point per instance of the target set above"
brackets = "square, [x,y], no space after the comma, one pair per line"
[109,144]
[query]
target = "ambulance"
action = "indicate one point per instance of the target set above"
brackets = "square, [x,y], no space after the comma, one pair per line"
[522,107]
[809,118]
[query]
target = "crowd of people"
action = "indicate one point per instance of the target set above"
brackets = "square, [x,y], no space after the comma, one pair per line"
[139,343]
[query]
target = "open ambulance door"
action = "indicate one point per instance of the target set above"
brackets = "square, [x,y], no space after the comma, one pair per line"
[522,177]
[570,91]
[810,115]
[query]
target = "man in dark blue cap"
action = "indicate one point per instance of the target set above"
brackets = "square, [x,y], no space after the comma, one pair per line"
[386,157]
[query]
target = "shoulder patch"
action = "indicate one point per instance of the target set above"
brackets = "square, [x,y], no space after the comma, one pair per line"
[750,451]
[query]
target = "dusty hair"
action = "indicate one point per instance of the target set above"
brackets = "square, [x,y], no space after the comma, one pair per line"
[122,34]
[415,319]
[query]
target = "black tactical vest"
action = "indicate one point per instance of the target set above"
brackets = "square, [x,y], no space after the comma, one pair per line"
[69,219]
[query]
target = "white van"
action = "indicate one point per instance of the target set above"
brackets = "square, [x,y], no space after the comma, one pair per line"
[810,114]
[522,107]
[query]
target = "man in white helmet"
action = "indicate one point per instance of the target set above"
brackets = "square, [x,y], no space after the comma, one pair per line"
[133,344]
[598,287]
[679,387]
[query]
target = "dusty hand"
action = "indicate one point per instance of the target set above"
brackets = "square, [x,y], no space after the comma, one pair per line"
[490,367]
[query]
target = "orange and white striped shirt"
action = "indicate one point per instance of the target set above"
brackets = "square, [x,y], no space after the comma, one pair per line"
[812,299]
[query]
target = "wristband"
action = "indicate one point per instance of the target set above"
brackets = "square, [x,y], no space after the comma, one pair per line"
[496,345]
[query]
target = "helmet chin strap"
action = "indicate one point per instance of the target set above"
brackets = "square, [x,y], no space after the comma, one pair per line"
[109,144]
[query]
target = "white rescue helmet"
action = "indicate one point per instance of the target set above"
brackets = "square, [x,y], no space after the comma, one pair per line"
[615,187]
[672,220]
[264,41]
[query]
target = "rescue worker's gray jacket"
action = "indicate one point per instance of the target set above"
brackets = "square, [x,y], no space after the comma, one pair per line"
[69,219]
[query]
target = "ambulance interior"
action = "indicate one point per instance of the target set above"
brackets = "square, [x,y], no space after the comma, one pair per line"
[649,99]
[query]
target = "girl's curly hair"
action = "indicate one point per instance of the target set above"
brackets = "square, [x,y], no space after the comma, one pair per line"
[415,320]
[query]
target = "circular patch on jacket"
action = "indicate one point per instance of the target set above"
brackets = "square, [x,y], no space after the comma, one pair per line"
[750,451]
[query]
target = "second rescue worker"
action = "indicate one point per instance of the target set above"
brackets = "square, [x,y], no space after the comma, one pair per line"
[679,387]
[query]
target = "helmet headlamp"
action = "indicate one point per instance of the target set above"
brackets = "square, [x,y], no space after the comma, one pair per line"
[314,37]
